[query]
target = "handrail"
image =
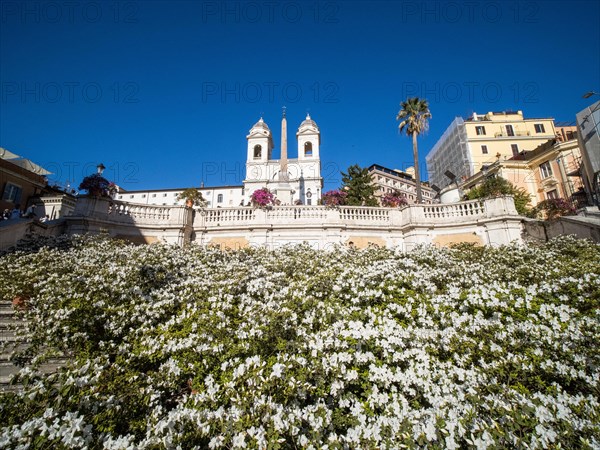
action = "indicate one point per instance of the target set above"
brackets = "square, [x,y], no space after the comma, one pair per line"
[297,216]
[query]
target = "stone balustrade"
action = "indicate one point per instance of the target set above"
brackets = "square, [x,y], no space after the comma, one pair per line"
[123,212]
[490,221]
[134,214]
[351,215]
[444,212]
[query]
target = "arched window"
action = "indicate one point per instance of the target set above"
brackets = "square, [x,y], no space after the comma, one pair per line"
[308,149]
[257,151]
[220,198]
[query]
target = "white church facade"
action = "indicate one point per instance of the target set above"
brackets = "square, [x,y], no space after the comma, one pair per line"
[294,181]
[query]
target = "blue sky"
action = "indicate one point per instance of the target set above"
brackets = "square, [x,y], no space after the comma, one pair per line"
[164,93]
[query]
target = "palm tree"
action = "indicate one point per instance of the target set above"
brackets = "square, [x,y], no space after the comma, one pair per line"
[413,116]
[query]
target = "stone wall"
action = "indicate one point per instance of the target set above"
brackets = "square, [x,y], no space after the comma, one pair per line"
[582,227]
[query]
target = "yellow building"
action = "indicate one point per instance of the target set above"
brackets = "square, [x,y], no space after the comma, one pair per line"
[549,171]
[480,140]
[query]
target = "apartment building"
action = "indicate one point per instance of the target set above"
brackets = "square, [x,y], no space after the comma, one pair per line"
[469,144]
[549,171]
[391,180]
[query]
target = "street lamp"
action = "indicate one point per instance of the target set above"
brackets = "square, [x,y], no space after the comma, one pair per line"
[589,94]
[450,175]
[100,168]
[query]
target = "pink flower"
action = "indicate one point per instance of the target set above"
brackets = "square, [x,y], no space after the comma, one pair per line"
[262,197]
[393,200]
[334,198]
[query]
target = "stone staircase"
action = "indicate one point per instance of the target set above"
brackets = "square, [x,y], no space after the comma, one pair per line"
[12,343]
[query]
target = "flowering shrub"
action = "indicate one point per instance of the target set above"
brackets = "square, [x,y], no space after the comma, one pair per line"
[262,197]
[334,198]
[197,348]
[554,208]
[98,186]
[393,200]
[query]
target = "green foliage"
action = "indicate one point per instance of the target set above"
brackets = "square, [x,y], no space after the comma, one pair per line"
[468,347]
[498,186]
[413,116]
[357,184]
[193,195]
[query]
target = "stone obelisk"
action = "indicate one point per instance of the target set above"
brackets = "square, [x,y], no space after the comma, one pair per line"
[283,162]
[284,190]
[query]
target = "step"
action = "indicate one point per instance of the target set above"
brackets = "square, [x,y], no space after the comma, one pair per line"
[12,347]
[6,309]
[11,330]
[7,369]
[4,382]
[11,321]
[8,336]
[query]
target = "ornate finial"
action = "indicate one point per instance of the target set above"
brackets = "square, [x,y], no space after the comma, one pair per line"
[284,112]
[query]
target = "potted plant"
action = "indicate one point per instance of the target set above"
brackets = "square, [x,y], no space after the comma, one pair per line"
[98,186]
[21,302]
[262,198]
[192,197]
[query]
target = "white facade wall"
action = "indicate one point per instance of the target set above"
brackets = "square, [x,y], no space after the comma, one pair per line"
[304,178]
[220,196]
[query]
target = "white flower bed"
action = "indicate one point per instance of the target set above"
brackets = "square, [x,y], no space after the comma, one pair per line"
[194,348]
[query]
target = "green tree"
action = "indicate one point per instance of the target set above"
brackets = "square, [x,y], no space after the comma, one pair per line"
[357,184]
[413,117]
[497,186]
[192,197]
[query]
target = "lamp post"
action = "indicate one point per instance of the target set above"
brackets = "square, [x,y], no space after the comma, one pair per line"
[100,167]
[589,94]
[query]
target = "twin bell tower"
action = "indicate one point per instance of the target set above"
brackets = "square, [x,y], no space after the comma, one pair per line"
[294,181]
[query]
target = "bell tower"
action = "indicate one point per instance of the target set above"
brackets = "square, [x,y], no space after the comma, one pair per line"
[260,143]
[309,140]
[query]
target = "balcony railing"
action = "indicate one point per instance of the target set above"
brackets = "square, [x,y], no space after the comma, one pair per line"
[515,133]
